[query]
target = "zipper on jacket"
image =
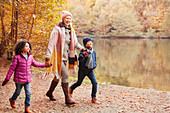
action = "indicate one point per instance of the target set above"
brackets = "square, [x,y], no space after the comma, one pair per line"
[26,65]
[26,69]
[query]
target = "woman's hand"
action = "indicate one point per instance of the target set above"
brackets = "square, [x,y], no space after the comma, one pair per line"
[86,53]
[84,49]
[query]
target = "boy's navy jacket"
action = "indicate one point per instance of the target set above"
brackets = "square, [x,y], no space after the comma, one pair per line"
[82,61]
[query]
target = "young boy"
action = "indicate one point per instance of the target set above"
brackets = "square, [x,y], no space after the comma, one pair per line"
[87,63]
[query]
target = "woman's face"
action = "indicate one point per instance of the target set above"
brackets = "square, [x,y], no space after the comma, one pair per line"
[67,20]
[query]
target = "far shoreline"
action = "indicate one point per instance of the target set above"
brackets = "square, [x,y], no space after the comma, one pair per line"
[124,37]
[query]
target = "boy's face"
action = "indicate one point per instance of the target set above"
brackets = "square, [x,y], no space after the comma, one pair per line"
[89,44]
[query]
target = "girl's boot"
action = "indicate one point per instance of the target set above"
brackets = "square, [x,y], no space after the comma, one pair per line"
[68,99]
[51,89]
[12,103]
[27,110]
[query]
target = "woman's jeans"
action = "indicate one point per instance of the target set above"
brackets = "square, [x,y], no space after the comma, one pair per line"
[27,89]
[90,74]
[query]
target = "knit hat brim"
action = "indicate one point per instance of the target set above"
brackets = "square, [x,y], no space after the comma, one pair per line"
[86,39]
[64,14]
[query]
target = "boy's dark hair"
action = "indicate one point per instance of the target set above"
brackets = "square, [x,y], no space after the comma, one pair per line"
[20,45]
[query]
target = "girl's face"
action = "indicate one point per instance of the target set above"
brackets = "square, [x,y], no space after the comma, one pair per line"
[67,20]
[89,44]
[26,48]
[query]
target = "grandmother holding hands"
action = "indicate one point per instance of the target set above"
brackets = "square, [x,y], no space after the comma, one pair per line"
[61,49]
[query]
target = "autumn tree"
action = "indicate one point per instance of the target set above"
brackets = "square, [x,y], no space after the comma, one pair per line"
[9,34]
[151,15]
[82,15]
[123,17]
[126,23]
[80,20]
[32,20]
[166,23]
[48,14]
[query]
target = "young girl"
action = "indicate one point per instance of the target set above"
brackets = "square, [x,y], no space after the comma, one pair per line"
[21,65]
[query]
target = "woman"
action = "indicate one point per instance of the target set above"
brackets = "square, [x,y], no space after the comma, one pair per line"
[61,48]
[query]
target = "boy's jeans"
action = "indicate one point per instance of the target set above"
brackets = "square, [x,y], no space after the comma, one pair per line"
[90,74]
[27,89]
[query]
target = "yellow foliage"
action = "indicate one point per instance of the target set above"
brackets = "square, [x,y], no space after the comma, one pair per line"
[36,19]
[158,19]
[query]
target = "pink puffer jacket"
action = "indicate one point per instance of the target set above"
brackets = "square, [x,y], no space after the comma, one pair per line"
[21,67]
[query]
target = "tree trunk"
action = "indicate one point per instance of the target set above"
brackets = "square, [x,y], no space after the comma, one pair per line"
[14,30]
[32,20]
[3,38]
[16,22]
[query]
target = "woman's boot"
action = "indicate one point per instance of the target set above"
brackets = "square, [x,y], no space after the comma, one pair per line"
[68,99]
[51,89]
[27,110]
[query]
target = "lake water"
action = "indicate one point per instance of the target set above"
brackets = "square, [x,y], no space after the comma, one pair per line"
[141,63]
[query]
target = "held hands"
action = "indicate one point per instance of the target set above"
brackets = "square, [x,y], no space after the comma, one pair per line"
[84,49]
[86,53]
[47,62]
[5,82]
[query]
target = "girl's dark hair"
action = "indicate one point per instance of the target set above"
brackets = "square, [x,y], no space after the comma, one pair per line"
[20,45]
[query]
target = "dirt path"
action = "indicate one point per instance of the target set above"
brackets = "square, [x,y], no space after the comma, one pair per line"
[112,98]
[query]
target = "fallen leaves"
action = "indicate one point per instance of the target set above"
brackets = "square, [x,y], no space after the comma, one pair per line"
[111,99]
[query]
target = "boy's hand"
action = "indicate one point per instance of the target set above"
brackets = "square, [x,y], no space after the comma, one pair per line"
[86,53]
[47,62]
[5,82]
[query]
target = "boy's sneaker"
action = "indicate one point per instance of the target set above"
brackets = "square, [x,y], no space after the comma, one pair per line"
[12,103]
[94,100]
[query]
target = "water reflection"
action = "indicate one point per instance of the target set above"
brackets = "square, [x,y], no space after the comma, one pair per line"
[134,63]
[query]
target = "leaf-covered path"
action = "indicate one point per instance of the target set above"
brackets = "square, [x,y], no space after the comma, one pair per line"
[112,98]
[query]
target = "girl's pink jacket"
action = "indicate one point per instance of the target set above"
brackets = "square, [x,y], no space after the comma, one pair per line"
[21,67]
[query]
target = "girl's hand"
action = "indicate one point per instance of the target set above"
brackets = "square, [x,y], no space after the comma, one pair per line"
[48,65]
[5,82]
[47,62]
